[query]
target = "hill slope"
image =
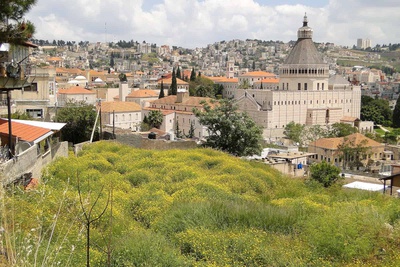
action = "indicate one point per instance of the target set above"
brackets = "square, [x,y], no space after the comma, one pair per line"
[192,208]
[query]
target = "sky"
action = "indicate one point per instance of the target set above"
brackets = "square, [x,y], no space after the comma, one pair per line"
[197,23]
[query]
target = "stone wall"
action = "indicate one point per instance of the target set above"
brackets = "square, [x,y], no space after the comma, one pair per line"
[136,140]
[30,161]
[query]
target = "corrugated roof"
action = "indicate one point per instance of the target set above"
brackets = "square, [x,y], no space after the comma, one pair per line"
[24,132]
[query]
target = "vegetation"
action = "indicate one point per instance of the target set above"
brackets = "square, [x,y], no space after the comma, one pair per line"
[155,118]
[376,110]
[294,131]
[325,173]
[79,118]
[229,130]
[192,208]
[201,86]
[301,134]
[396,114]
[173,90]
[14,28]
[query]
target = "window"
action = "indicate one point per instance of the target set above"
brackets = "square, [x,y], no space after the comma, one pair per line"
[317,86]
[51,88]
[35,113]
[32,88]
[305,86]
[299,86]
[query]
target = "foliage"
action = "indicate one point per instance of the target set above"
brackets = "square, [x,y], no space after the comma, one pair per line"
[202,86]
[161,95]
[79,118]
[18,115]
[192,75]
[376,110]
[340,129]
[155,118]
[352,154]
[313,133]
[325,173]
[294,131]
[229,130]
[14,28]
[195,207]
[396,114]
[173,90]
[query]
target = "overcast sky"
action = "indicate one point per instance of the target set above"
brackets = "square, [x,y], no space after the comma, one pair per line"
[196,23]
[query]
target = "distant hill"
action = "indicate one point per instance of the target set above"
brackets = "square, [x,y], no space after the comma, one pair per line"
[192,208]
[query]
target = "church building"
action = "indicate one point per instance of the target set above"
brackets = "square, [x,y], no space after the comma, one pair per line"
[303,93]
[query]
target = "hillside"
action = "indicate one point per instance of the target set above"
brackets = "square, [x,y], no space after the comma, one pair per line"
[192,208]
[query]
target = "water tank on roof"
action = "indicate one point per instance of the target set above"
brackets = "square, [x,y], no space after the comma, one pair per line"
[152,135]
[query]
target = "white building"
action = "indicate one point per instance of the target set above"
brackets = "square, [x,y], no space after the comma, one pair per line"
[363,43]
[304,94]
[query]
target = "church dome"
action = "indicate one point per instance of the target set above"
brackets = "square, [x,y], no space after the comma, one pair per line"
[304,51]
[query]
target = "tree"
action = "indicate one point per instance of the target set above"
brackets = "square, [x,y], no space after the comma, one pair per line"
[340,129]
[202,86]
[144,125]
[155,118]
[161,95]
[325,173]
[178,73]
[228,129]
[191,130]
[294,131]
[376,110]
[205,91]
[79,118]
[396,114]
[353,153]
[192,75]
[178,132]
[174,86]
[112,63]
[13,28]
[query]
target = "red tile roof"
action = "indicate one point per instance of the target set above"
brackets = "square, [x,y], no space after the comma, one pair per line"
[75,90]
[23,131]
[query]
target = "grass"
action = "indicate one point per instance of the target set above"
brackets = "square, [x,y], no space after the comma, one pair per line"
[195,207]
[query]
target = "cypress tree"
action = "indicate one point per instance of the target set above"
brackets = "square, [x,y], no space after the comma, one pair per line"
[396,114]
[161,95]
[178,73]
[192,75]
[174,85]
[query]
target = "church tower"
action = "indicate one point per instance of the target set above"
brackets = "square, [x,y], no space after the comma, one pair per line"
[304,68]
[230,69]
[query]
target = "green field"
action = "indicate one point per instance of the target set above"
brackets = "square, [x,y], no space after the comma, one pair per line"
[195,207]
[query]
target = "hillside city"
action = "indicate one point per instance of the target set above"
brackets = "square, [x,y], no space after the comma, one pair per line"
[241,153]
[279,85]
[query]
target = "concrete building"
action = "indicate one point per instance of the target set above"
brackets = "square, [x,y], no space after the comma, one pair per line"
[178,110]
[329,150]
[363,43]
[123,115]
[304,94]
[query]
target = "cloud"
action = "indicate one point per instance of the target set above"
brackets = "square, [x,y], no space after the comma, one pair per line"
[196,23]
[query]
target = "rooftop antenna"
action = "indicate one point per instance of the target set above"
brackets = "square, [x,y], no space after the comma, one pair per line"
[105,32]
